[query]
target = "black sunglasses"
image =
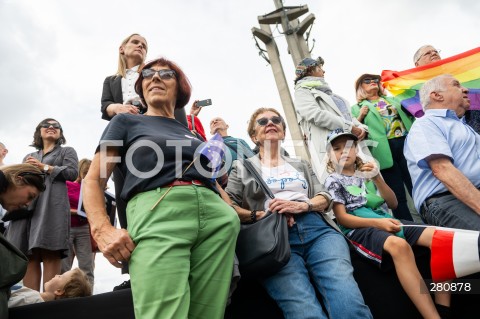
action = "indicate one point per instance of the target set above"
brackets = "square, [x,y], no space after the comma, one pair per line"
[264,121]
[368,81]
[54,125]
[164,74]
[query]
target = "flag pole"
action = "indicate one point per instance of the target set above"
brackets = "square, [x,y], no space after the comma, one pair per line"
[168,190]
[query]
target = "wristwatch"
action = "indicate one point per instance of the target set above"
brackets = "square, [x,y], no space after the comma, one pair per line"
[46,168]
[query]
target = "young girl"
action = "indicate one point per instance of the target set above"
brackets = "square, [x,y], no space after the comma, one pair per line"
[370,228]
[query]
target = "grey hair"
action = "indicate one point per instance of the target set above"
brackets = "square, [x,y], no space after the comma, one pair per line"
[418,54]
[437,84]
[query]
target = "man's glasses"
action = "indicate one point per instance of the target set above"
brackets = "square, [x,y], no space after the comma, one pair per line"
[264,121]
[368,81]
[54,125]
[429,53]
[164,74]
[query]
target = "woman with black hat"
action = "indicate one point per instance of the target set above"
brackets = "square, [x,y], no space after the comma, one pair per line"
[388,126]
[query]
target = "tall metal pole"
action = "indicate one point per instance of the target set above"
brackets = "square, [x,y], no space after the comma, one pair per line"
[265,34]
[298,48]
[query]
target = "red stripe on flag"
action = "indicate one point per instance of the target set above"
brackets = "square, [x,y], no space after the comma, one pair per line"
[441,263]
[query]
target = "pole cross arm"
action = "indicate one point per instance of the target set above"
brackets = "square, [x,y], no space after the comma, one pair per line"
[262,35]
[305,24]
[276,16]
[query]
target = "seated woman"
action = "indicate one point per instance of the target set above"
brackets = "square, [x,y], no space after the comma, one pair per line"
[299,196]
[181,234]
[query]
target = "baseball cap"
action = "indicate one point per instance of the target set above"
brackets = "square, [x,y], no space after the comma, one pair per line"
[333,135]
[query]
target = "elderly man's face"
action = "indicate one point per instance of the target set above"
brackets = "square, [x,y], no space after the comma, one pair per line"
[217,124]
[429,55]
[455,96]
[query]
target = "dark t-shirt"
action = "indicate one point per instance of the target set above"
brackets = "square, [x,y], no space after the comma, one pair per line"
[154,151]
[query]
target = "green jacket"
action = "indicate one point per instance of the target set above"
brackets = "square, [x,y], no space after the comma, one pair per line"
[376,129]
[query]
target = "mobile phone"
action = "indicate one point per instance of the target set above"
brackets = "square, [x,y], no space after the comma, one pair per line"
[203,103]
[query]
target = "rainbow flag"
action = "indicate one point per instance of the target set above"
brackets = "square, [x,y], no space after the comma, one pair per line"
[405,85]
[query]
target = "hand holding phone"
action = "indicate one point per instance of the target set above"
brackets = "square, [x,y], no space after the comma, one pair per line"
[203,103]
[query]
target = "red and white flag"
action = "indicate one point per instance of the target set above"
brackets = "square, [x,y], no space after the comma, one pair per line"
[454,253]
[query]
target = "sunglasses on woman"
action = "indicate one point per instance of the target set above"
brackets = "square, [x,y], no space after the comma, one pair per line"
[54,125]
[368,81]
[264,121]
[164,74]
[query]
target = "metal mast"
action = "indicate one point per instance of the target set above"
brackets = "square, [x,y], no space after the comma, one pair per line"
[293,30]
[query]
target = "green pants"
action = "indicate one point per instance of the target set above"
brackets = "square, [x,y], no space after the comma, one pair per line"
[182,264]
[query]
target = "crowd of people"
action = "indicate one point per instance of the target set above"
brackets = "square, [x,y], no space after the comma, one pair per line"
[179,219]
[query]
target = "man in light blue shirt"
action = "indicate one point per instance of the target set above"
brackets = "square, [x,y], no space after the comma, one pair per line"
[443,155]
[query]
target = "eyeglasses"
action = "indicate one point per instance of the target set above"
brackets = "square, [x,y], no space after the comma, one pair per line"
[164,74]
[429,53]
[54,125]
[264,121]
[368,81]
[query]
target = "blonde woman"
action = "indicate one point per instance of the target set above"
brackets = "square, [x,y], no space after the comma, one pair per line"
[118,90]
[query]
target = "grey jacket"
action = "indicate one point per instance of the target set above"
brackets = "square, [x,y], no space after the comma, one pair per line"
[318,115]
[244,190]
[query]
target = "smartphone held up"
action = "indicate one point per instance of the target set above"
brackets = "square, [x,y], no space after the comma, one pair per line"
[203,103]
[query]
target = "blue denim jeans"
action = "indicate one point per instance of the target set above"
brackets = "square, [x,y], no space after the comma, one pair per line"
[448,211]
[321,254]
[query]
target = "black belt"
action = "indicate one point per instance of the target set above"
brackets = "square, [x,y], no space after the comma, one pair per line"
[430,199]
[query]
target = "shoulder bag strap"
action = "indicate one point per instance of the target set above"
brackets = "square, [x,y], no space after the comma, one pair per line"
[249,166]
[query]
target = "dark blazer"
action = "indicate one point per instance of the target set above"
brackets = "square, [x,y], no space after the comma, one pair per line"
[112,93]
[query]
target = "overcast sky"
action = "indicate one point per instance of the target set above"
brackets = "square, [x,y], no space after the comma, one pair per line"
[56,54]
